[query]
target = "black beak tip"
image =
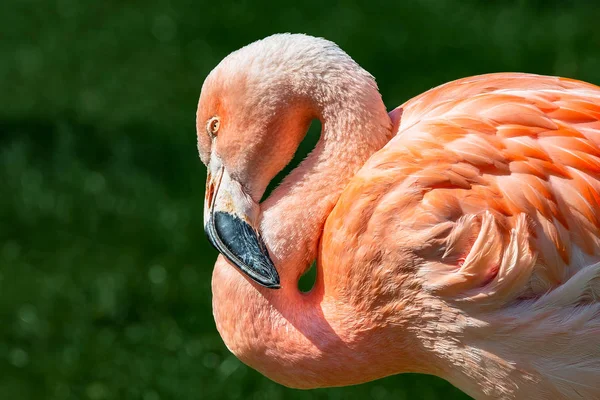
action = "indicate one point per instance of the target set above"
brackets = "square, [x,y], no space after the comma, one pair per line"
[271,282]
[243,247]
[272,285]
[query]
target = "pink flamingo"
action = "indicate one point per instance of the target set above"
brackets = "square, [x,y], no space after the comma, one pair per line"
[458,235]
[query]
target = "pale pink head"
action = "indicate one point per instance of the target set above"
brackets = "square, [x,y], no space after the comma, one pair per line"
[255,108]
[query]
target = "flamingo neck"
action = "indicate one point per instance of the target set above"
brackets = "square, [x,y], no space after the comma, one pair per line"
[355,125]
[296,338]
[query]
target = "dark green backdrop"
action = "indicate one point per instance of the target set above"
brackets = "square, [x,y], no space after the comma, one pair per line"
[104,268]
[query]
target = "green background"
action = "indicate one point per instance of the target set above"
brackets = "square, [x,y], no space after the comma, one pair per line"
[104,267]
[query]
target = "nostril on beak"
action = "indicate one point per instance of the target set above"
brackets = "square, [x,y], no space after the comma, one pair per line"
[210,190]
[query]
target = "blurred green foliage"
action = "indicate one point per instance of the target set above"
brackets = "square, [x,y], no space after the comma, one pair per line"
[104,268]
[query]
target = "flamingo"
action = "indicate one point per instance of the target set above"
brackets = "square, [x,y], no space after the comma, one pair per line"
[458,235]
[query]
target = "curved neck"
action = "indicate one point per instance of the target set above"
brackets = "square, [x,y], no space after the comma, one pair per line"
[355,124]
[288,335]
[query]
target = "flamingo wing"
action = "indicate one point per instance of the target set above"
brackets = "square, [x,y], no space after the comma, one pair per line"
[493,183]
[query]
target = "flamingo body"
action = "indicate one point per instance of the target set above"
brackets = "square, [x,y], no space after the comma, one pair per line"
[491,186]
[500,152]
[458,236]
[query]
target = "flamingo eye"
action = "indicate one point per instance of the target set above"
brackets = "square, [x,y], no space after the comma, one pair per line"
[212,126]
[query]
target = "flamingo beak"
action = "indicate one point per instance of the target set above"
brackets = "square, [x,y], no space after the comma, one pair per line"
[229,220]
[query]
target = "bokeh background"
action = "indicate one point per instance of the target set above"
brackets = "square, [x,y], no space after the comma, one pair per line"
[104,267]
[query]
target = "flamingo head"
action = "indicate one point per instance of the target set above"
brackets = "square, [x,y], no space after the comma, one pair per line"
[254,110]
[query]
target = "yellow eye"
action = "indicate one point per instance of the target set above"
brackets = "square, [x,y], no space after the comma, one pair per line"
[212,126]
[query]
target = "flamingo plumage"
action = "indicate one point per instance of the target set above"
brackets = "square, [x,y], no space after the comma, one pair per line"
[458,235]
